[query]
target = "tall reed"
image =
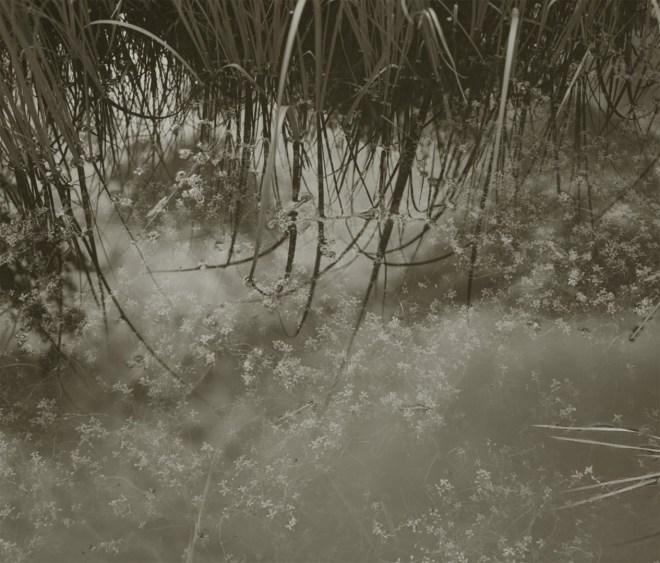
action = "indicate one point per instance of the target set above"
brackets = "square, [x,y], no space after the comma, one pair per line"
[81,83]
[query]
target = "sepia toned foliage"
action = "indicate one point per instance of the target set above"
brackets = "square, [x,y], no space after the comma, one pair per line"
[487,172]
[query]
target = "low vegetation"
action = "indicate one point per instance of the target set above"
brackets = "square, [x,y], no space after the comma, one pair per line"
[290,280]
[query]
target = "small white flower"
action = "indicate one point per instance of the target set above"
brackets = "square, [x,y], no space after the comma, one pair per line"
[574,277]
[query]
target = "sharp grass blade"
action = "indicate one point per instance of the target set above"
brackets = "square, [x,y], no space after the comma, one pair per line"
[288,49]
[615,482]
[508,66]
[151,36]
[635,540]
[648,317]
[432,17]
[569,29]
[608,494]
[608,444]
[576,75]
[596,429]
[278,121]
[247,76]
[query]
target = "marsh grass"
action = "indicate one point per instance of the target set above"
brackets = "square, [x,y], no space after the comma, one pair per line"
[82,86]
[509,144]
[613,487]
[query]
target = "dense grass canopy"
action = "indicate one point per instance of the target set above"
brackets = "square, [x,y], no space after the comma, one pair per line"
[499,88]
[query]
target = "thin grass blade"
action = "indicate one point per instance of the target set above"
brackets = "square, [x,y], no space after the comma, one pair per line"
[608,444]
[608,494]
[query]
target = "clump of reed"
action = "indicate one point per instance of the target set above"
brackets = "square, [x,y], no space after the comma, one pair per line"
[89,90]
[647,447]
